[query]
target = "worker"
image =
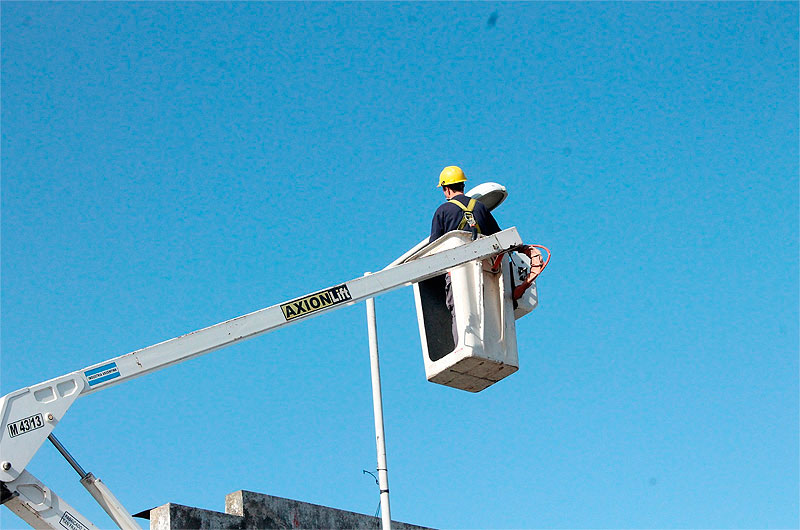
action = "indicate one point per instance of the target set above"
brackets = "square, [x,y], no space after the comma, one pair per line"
[459,213]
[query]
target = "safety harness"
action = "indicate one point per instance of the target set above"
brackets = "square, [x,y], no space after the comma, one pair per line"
[469,218]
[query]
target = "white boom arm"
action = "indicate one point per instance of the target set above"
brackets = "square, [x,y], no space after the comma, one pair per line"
[29,415]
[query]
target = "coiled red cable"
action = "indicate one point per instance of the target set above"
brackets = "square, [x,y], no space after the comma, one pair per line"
[520,289]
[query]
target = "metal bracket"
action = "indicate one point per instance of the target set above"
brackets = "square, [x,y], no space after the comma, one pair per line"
[6,494]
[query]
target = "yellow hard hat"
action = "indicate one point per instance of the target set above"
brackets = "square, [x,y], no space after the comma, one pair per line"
[451,175]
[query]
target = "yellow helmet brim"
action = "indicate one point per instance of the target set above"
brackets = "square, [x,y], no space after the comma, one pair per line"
[451,175]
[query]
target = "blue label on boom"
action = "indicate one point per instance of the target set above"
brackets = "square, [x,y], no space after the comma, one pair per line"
[101,374]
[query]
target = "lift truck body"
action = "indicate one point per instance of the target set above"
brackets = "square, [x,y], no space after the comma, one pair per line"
[29,415]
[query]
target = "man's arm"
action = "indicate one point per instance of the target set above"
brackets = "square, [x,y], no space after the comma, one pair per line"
[489,226]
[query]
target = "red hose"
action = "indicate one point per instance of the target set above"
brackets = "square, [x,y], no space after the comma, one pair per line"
[536,267]
[496,263]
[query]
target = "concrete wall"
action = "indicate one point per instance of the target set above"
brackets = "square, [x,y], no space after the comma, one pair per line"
[248,510]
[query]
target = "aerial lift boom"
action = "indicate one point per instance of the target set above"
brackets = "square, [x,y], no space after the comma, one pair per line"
[29,415]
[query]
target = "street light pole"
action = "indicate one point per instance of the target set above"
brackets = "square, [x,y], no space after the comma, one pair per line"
[377,405]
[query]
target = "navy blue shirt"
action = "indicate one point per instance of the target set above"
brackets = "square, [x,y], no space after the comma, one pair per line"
[448,216]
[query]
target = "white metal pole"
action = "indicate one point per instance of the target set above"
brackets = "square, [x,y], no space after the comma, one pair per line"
[377,405]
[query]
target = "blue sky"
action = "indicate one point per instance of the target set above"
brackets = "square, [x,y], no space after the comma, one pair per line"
[167,166]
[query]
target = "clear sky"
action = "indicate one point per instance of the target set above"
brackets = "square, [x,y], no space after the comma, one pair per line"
[167,166]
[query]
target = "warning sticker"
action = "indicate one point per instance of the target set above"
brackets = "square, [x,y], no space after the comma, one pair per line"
[70,522]
[316,302]
[101,374]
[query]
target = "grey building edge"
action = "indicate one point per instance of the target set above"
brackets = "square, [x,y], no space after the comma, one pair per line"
[246,510]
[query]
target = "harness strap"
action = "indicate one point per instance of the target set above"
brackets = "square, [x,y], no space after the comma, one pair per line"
[467,208]
[468,217]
